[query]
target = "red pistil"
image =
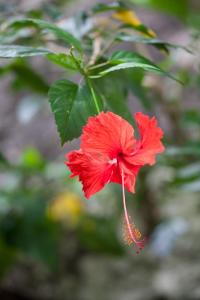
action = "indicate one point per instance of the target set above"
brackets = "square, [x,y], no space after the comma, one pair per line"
[131,233]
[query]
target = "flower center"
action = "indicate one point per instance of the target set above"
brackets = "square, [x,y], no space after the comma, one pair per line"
[120,154]
[113,161]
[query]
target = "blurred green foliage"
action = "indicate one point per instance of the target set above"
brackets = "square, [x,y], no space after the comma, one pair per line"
[26,227]
[177,8]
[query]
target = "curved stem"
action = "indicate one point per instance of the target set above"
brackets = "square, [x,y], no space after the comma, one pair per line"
[77,63]
[84,73]
[93,95]
[99,65]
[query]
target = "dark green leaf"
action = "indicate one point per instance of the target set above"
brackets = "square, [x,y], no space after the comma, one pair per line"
[191,117]
[3,160]
[141,28]
[125,59]
[11,51]
[63,60]
[58,32]
[114,98]
[71,105]
[101,237]
[25,76]
[194,20]
[134,83]
[169,6]
[9,36]
[28,229]
[7,257]
[61,96]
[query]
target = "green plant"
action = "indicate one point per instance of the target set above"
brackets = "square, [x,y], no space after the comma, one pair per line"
[106,76]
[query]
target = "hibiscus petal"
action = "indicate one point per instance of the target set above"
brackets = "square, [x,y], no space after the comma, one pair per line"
[150,141]
[92,172]
[107,134]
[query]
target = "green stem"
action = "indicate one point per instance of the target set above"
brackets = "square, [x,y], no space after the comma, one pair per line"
[93,95]
[81,70]
[99,65]
[84,73]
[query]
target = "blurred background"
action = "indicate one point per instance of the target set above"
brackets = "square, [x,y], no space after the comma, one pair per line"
[56,245]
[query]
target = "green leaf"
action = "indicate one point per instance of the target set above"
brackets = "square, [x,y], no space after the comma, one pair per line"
[11,51]
[191,117]
[141,28]
[44,25]
[114,98]
[28,77]
[63,60]
[71,105]
[8,256]
[125,59]
[162,45]
[194,20]
[25,76]
[173,7]
[100,236]
[134,82]
[3,160]
[30,231]
[170,6]
[61,96]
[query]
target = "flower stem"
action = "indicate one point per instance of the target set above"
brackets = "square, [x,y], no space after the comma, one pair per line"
[93,95]
[99,65]
[84,73]
[77,62]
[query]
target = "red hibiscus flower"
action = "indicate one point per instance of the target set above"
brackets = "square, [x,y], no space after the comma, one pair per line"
[109,152]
